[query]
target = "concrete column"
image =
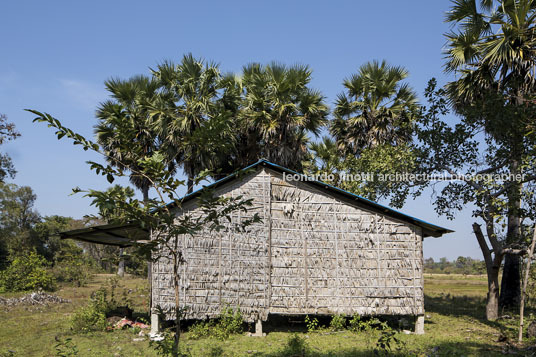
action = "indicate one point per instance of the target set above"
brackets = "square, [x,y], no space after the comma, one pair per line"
[155,324]
[419,325]
[258,328]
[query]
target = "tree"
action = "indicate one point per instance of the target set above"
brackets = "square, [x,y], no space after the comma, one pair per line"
[7,133]
[17,218]
[493,49]
[376,109]
[478,165]
[112,214]
[278,111]
[190,111]
[159,215]
[372,128]
[125,120]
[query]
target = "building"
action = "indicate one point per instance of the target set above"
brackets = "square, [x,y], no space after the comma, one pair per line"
[317,250]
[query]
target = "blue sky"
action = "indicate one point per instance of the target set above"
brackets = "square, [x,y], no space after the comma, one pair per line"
[57,54]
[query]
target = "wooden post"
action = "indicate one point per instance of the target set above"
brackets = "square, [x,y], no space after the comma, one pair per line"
[419,325]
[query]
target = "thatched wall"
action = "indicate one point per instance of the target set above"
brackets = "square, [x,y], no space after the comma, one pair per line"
[312,253]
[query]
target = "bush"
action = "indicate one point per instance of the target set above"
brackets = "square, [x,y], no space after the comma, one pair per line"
[65,348]
[312,324]
[166,346]
[75,272]
[357,323]
[230,322]
[295,346]
[338,323]
[72,266]
[92,317]
[27,272]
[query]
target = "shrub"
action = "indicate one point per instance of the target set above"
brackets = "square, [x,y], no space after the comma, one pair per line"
[201,329]
[92,317]
[295,346]
[27,272]
[388,343]
[357,323]
[166,346]
[66,348]
[73,271]
[312,324]
[230,322]
[338,323]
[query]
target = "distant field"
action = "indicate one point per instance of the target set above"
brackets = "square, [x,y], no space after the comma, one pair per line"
[454,327]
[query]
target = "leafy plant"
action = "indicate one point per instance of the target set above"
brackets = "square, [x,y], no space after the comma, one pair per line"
[72,269]
[312,324]
[167,347]
[230,322]
[358,323]
[384,345]
[338,322]
[27,272]
[92,317]
[201,329]
[65,348]
[296,346]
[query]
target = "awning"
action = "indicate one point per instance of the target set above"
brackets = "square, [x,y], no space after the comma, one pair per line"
[122,235]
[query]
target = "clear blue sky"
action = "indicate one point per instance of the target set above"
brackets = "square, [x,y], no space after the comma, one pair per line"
[57,54]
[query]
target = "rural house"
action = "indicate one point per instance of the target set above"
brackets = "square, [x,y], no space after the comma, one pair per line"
[317,250]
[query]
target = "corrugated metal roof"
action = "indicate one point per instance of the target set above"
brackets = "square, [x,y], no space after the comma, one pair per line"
[122,235]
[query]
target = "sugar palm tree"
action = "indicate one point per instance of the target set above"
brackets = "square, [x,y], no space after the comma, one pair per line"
[193,88]
[494,47]
[278,111]
[325,156]
[377,108]
[493,51]
[124,120]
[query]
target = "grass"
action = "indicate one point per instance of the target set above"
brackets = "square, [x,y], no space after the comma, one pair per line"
[454,326]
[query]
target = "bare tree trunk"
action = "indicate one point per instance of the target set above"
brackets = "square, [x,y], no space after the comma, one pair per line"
[524,289]
[492,305]
[493,265]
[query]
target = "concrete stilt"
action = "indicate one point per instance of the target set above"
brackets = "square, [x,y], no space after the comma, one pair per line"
[258,328]
[419,325]
[155,324]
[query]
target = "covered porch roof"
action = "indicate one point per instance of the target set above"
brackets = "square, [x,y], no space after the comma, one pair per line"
[122,235]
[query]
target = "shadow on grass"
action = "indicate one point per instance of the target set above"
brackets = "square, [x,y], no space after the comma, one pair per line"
[458,306]
[442,349]
[474,308]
